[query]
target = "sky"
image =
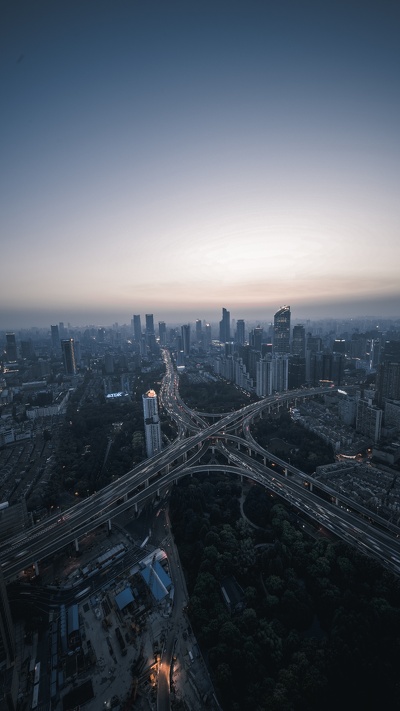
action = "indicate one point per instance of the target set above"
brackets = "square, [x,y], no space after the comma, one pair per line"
[179,157]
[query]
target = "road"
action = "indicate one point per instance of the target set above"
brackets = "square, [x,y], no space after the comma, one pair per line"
[154,475]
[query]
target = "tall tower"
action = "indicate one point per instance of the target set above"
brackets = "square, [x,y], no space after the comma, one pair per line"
[240,332]
[199,331]
[185,332]
[162,333]
[388,374]
[55,338]
[149,324]
[281,343]
[255,338]
[225,327]
[137,328]
[299,341]
[152,427]
[68,354]
[11,347]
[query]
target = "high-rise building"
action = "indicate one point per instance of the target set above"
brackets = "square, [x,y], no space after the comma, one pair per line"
[55,338]
[185,335]
[264,377]
[150,324]
[255,338]
[281,341]
[11,347]
[152,427]
[299,341]
[162,333]
[369,420]
[207,336]
[68,354]
[388,373]
[199,332]
[225,327]
[137,328]
[240,332]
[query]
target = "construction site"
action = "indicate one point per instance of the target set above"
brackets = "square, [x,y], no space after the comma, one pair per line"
[120,639]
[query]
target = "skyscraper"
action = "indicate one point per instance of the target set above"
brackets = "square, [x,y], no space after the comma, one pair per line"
[199,331]
[388,373]
[255,338]
[152,427]
[281,343]
[137,328]
[185,333]
[55,338]
[150,324]
[162,333]
[240,332]
[299,341]
[68,354]
[11,347]
[225,327]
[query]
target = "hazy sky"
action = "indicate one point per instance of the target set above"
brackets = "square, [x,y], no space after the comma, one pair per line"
[178,157]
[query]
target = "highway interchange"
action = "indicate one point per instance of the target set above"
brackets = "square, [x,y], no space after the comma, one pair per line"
[230,436]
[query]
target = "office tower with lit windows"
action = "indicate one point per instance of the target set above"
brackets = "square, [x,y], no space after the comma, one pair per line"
[281,341]
[152,427]
[225,327]
[68,354]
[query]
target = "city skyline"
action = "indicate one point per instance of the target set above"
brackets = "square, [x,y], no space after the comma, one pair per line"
[179,159]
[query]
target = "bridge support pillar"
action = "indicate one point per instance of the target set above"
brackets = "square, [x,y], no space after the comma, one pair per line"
[76,545]
[310,486]
[265,461]
[146,483]
[158,493]
[336,501]
[136,507]
[285,471]
[125,497]
[213,450]
[109,525]
[36,568]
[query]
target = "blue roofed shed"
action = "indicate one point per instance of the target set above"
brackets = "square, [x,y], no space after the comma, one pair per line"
[157,580]
[124,598]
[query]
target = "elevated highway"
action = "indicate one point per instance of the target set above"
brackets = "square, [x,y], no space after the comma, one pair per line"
[184,457]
